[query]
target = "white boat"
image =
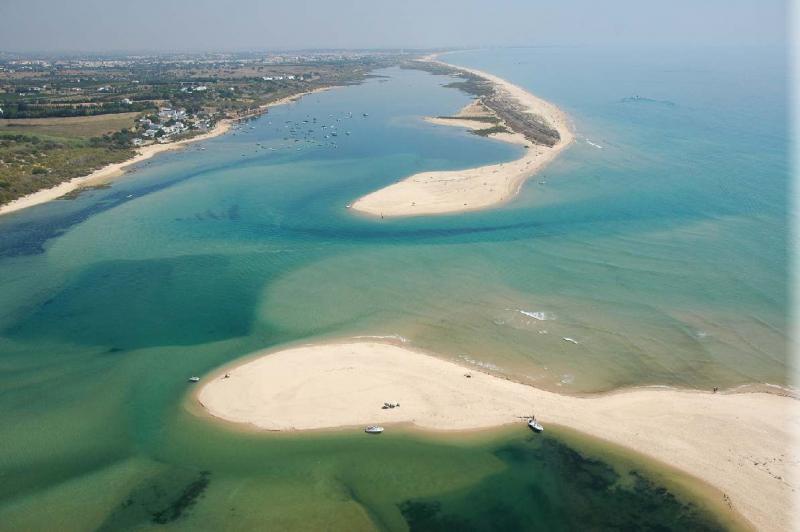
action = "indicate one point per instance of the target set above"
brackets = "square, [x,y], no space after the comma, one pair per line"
[534,425]
[194,379]
[373,429]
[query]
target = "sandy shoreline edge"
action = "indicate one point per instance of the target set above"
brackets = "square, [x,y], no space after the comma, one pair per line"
[739,443]
[114,170]
[442,192]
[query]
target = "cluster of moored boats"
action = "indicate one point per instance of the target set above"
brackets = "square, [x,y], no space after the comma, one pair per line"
[309,131]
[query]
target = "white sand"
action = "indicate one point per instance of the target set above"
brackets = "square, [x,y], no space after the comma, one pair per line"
[106,173]
[475,188]
[738,443]
[297,97]
[114,170]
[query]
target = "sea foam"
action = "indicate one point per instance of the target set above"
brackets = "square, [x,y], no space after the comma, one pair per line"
[479,363]
[541,316]
[590,143]
[383,337]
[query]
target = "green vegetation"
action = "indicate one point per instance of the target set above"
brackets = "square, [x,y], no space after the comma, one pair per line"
[21,109]
[31,162]
[62,118]
[490,131]
[492,121]
[79,127]
[508,110]
[488,119]
[212,84]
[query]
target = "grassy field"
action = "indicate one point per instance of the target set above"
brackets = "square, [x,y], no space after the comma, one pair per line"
[71,127]
[38,153]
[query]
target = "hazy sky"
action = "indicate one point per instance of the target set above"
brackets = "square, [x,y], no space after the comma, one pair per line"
[116,25]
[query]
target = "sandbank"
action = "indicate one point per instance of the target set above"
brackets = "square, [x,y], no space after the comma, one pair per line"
[442,192]
[739,443]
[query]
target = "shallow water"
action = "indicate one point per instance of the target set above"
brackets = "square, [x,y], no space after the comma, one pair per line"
[658,258]
[198,476]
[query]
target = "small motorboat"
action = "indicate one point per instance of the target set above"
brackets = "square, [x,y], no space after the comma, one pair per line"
[373,429]
[194,379]
[534,425]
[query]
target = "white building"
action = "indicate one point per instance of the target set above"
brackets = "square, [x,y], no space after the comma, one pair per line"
[171,114]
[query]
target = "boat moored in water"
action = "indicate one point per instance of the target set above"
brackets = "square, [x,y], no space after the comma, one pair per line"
[194,379]
[534,425]
[373,429]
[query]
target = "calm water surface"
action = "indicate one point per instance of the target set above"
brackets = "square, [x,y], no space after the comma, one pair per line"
[656,244]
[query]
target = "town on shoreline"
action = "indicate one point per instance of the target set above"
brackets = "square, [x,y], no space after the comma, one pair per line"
[64,118]
[75,122]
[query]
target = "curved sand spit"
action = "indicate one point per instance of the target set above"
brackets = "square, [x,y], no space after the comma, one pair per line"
[739,443]
[475,188]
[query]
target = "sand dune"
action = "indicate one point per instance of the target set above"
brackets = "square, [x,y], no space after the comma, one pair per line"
[739,443]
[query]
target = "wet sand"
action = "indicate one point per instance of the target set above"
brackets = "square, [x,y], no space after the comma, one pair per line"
[740,443]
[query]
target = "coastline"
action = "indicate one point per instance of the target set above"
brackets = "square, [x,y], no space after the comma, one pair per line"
[739,443]
[451,191]
[111,171]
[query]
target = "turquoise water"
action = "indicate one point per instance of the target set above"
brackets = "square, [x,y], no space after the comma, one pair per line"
[662,254]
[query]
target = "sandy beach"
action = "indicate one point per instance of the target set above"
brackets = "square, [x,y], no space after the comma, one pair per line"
[443,192]
[296,97]
[108,172]
[739,443]
[112,171]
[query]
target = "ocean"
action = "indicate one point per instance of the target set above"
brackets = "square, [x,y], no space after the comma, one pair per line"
[652,252]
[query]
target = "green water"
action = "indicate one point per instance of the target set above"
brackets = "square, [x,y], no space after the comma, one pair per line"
[209,478]
[662,255]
